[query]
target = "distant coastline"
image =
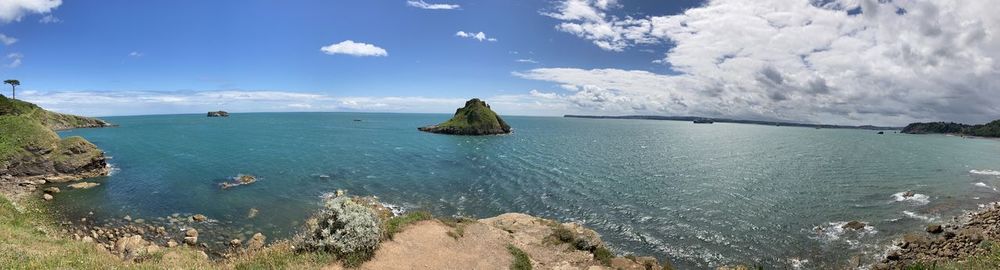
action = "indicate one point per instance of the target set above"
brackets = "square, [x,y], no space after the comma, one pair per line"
[727,120]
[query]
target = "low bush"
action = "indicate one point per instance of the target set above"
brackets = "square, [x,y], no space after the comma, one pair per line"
[346,228]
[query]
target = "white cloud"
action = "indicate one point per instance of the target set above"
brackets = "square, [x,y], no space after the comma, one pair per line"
[480,36]
[104,103]
[15,60]
[135,54]
[7,40]
[799,60]
[47,19]
[349,47]
[527,60]
[14,10]
[425,5]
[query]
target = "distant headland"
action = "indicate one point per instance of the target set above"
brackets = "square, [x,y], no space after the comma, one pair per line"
[727,120]
[991,129]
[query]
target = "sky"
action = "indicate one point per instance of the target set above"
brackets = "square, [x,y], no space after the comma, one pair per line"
[882,62]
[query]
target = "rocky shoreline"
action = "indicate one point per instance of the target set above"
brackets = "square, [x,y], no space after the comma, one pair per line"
[971,234]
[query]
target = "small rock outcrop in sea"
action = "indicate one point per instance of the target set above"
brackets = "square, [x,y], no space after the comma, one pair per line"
[239,180]
[854,225]
[32,154]
[218,114]
[476,118]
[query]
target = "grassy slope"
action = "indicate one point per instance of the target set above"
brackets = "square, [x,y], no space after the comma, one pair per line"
[52,120]
[26,127]
[21,133]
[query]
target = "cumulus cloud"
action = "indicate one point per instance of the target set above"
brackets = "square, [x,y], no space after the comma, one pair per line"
[7,40]
[811,61]
[135,54]
[14,10]
[15,60]
[480,36]
[352,48]
[425,5]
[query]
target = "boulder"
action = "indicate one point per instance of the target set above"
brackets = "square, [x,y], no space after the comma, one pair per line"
[908,194]
[854,225]
[51,190]
[934,228]
[171,243]
[198,218]
[256,241]
[47,197]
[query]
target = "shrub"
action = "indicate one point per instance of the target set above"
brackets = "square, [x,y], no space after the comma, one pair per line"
[521,260]
[563,234]
[346,228]
[603,255]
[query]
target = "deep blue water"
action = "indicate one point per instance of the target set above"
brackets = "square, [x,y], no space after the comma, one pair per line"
[700,195]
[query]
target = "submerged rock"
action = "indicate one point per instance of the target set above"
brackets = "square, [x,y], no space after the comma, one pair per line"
[47,197]
[476,118]
[51,190]
[84,185]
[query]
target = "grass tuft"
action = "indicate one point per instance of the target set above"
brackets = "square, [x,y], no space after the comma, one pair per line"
[396,224]
[521,259]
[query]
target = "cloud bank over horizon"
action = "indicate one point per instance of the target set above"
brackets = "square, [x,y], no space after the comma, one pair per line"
[843,61]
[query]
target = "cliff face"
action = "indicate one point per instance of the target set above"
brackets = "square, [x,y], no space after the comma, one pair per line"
[476,118]
[991,129]
[29,148]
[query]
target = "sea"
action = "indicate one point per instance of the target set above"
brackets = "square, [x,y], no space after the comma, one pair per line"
[698,195]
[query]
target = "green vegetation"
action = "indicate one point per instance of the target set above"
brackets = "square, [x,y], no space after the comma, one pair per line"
[991,129]
[346,228]
[52,120]
[521,260]
[459,224]
[603,255]
[396,224]
[476,118]
[28,240]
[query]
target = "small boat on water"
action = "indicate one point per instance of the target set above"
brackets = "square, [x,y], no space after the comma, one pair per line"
[703,121]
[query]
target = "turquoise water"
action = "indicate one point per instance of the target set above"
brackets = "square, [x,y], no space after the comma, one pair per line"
[700,195]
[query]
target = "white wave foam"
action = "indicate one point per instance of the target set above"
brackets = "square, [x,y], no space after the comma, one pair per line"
[834,231]
[916,198]
[797,262]
[919,216]
[396,209]
[985,172]
[984,185]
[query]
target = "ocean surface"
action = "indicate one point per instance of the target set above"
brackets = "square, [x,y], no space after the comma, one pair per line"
[699,195]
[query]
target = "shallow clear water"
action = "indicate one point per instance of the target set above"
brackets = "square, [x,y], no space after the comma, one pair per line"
[700,195]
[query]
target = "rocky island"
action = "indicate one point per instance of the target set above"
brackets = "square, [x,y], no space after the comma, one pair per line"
[991,129]
[476,118]
[32,153]
[218,114]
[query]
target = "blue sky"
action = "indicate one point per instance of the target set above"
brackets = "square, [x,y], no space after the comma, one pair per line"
[834,61]
[269,45]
